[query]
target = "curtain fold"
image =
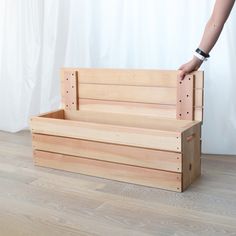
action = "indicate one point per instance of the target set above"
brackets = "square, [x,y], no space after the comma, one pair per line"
[39,37]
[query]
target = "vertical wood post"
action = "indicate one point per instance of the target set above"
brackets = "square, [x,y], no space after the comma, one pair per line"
[185,98]
[69,89]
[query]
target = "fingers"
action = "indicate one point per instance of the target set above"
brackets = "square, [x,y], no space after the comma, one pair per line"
[189,67]
[182,74]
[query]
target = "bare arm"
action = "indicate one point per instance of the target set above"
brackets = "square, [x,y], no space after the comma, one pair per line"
[211,33]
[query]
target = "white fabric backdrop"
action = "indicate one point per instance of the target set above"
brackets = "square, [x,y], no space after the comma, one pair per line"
[37,37]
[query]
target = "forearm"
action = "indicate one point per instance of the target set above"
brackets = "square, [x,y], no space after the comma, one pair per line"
[211,34]
[216,23]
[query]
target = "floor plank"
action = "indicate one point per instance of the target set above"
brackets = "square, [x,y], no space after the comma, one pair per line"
[39,201]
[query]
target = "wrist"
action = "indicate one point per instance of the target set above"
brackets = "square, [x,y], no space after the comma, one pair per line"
[201,55]
[197,60]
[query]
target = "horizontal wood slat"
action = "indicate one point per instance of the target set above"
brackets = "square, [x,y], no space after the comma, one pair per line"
[114,171]
[140,94]
[140,137]
[159,110]
[129,120]
[150,158]
[141,77]
[136,89]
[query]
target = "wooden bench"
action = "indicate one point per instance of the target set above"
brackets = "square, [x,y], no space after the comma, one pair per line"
[136,126]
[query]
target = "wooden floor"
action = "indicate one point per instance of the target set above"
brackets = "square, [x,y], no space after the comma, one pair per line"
[37,201]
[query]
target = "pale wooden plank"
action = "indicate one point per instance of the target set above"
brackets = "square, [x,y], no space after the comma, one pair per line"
[141,94]
[131,136]
[131,174]
[20,218]
[156,206]
[191,155]
[128,93]
[130,120]
[199,79]
[44,211]
[185,98]
[169,161]
[167,111]
[198,114]
[50,204]
[140,77]
[144,77]
[69,89]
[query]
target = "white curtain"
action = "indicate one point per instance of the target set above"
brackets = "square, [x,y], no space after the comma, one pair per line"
[38,37]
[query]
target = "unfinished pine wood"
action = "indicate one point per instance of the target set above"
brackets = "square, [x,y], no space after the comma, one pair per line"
[185,98]
[131,136]
[69,89]
[141,94]
[137,77]
[129,120]
[127,90]
[169,161]
[137,141]
[191,155]
[40,201]
[159,110]
[125,173]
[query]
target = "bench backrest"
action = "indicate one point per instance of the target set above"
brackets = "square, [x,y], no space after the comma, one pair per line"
[147,92]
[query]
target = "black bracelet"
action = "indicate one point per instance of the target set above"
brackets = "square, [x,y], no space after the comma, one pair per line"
[199,51]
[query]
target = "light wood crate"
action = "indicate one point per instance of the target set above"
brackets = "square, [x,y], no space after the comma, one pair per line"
[136,126]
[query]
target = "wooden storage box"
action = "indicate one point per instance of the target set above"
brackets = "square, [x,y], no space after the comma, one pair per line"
[136,126]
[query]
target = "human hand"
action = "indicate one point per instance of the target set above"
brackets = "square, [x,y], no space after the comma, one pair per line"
[189,67]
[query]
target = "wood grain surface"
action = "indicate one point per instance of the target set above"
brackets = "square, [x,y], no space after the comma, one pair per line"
[151,158]
[134,91]
[44,202]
